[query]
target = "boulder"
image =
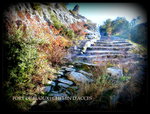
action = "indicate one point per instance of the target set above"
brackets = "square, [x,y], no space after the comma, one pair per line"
[55,92]
[76,8]
[70,66]
[70,69]
[62,70]
[59,76]
[63,85]
[47,88]
[75,47]
[68,92]
[88,44]
[74,87]
[64,67]
[114,71]
[62,80]
[85,73]
[60,73]
[78,77]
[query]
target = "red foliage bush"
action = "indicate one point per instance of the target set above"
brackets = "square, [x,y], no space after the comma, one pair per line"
[78,28]
[74,27]
[55,50]
[20,14]
[28,15]
[37,18]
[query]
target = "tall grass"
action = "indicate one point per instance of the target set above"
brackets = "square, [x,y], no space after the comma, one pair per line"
[104,87]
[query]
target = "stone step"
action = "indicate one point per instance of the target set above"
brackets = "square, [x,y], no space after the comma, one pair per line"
[121,57]
[121,43]
[111,41]
[97,52]
[96,59]
[102,56]
[97,62]
[105,60]
[108,48]
[68,82]
[108,44]
[100,61]
[91,64]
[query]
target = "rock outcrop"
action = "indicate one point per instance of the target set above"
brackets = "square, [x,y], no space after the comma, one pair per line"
[53,16]
[78,77]
[76,8]
[115,72]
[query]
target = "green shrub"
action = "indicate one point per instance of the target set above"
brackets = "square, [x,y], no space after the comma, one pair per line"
[21,59]
[138,49]
[36,6]
[64,30]
[125,78]
[67,32]
[70,34]
[56,22]
[139,34]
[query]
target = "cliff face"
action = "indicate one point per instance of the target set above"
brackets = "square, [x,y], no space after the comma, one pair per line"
[51,18]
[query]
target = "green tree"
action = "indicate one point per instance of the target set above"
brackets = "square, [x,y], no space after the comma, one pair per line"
[107,27]
[139,34]
[120,25]
[135,21]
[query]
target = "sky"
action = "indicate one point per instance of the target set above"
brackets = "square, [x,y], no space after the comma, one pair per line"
[99,12]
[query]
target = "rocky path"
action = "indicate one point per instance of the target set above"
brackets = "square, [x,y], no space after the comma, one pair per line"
[104,50]
[69,78]
[66,84]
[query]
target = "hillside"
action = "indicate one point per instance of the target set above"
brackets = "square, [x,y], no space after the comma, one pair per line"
[55,59]
[38,38]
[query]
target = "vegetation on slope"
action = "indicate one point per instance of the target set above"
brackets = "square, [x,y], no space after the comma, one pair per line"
[35,51]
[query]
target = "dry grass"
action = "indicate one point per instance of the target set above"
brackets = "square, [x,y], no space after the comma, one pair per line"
[102,84]
[105,88]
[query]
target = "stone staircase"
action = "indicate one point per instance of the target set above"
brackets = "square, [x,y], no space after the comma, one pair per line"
[68,78]
[106,50]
